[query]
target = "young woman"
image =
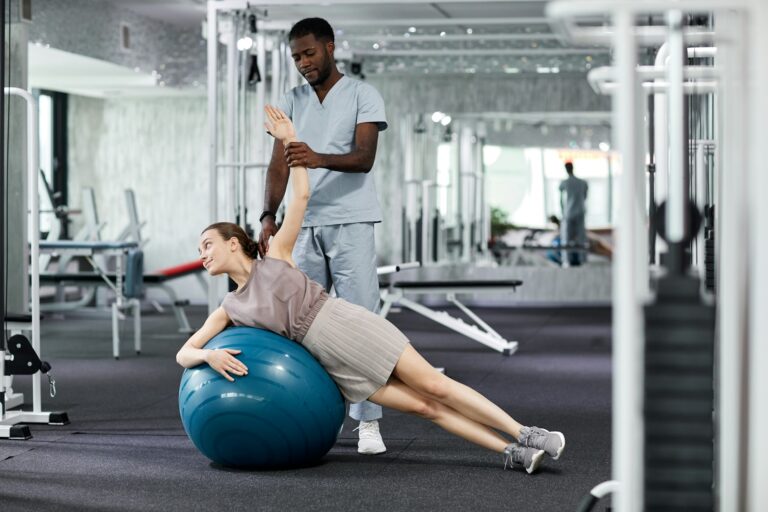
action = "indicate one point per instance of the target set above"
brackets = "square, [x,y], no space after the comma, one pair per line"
[367,356]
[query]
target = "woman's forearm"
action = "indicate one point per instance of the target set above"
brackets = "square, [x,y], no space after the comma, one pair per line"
[300,181]
[189,357]
[191,353]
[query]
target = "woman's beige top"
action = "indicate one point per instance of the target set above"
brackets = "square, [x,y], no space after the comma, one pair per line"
[276,297]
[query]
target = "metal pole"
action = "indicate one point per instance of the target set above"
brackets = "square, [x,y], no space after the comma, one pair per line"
[3,284]
[731,260]
[230,126]
[676,222]
[34,232]
[757,468]
[213,134]
[628,432]
[260,135]
[426,206]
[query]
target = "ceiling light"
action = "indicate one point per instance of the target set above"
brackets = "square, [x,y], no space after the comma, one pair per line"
[511,70]
[376,46]
[411,29]
[541,69]
[445,121]
[244,43]
[469,31]
[437,116]
[604,146]
[442,34]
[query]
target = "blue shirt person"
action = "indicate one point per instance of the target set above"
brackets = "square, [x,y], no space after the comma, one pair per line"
[337,120]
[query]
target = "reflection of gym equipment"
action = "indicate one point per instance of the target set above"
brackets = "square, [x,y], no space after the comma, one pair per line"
[157,279]
[89,282]
[22,356]
[462,233]
[125,281]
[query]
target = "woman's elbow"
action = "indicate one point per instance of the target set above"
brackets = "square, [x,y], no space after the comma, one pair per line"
[180,359]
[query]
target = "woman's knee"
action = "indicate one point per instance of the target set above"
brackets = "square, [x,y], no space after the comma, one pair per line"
[427,408]
[436,386]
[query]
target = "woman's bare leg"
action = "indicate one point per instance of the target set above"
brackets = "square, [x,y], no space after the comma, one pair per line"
[413,370]
[397,395]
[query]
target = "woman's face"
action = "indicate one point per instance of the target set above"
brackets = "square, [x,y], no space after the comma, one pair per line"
[215,251]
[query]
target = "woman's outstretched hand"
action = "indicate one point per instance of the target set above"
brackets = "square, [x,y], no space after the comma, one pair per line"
[278,124]
[224,361]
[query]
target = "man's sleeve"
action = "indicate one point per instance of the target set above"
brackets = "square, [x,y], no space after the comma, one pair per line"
[370,107]
[285,103]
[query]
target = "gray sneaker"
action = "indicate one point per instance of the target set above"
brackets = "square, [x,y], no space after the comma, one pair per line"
[529,458]
[551,442]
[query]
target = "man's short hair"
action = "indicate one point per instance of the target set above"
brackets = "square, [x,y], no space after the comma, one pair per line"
[569,166]
[318,27]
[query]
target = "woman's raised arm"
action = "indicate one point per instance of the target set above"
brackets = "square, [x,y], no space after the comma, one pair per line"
[282,244]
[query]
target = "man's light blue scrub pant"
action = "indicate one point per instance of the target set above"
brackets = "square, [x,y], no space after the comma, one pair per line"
[344,256]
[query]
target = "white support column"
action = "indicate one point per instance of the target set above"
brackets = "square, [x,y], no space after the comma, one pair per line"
[628,357]
[731,260]
[678,156]
[757,464]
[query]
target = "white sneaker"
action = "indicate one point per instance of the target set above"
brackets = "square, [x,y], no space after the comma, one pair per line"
[370,442]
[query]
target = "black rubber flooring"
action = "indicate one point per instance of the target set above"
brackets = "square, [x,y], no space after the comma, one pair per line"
[125,448]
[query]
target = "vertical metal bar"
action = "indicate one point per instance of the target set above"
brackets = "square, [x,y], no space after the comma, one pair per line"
[701,202]
[731,262]
[757,464]
[213,134]
[260,141]
[276,80]
[426,205]
[34,230]
[627,325]
[661,145]
[230,126]
[244,129]
[678,190]
[3,170]
[34,242]
[651,180]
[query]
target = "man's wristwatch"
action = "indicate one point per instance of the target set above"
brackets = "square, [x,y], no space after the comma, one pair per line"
[265,213]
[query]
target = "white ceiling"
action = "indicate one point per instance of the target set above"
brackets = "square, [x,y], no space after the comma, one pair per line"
[74,74]
[388,36]
[188,13]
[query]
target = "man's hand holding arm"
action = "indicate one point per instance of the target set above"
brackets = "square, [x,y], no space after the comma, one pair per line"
[360,159]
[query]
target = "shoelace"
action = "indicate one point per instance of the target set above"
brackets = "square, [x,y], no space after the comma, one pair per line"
[535,437]
[508,461]
[367,430]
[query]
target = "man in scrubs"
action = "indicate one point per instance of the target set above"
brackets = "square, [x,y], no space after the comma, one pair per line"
[338,120]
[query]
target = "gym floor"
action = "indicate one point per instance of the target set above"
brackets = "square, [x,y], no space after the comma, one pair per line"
[125,448]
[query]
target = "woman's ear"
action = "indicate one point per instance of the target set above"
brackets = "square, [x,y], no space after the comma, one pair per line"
[233,243]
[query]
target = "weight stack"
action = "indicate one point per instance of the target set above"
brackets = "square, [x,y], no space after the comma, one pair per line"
[709,248]
[679,398]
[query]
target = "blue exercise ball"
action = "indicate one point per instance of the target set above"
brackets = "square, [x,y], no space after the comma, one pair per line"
[286,412]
